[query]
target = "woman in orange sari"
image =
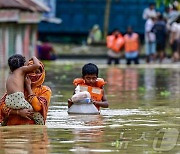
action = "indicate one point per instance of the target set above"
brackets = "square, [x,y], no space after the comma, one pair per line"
[35,93]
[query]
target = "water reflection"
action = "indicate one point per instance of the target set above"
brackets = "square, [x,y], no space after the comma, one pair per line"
[24,139]
[122,85]
[149,84]
[174,83]
[144,106]
[93,133]
[93,130]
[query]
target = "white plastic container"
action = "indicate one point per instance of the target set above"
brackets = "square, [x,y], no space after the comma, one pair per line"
[83,108]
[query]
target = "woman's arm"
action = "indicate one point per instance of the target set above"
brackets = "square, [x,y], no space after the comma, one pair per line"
[25,113]
[32,99]
[6,111]
[39,98]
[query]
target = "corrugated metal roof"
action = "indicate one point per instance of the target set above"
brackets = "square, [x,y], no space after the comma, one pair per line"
[30,5]
[39,5]
[11,4]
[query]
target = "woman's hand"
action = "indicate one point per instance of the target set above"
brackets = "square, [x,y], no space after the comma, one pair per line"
[27,81]
[25,113]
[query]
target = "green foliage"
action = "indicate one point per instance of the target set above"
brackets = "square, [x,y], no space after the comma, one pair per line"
[63,77]
[165,93]
[68,67]
[141,89]
[163,2]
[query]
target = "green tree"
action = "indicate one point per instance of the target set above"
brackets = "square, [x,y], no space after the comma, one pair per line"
[163,2]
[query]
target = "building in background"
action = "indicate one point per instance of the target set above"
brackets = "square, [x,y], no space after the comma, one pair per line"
[18,27]
[50,16]
[79,16]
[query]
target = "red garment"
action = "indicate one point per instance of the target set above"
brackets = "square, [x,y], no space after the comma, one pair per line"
[45,51]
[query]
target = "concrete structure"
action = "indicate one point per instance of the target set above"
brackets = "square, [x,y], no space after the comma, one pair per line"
[18,27]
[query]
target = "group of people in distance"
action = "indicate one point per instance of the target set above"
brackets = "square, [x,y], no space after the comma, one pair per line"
[161,38]
[26,100]
[162,30]
[115,43]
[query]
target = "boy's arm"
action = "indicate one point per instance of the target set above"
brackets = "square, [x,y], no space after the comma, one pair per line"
[104,103]
[34,66]
[70,103]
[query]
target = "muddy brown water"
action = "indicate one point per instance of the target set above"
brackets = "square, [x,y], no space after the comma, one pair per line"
[143,114]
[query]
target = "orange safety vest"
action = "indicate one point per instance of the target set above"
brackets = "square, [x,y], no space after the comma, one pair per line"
[115,43]
[95,92]
[131,42]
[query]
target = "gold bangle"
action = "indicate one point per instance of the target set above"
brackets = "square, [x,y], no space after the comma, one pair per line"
[30,97]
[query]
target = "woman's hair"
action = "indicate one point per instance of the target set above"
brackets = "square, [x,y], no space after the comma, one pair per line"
[16,61]
[90,68]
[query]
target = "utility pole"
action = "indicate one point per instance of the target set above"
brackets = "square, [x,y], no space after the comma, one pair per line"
[106,18]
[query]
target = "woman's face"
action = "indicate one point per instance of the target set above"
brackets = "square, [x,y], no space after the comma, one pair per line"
[37,71]
[35,75]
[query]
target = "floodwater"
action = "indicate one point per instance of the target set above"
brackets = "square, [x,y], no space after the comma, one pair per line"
[143,115]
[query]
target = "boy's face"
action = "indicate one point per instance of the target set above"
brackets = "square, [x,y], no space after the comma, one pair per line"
[90,79]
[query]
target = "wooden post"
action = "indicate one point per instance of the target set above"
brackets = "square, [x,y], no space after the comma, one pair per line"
[106,18]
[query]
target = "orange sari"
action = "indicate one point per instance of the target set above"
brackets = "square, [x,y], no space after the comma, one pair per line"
[40,101]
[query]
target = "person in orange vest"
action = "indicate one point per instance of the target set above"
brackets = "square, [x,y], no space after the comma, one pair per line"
[131,46]
[91,83]
[115,42]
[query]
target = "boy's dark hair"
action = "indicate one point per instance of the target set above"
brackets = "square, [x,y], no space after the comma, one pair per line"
[89,69]
[16,61]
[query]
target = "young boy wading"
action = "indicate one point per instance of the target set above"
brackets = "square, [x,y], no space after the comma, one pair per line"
[94,85]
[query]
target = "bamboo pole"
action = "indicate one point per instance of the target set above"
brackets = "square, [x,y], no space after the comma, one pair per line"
[106,18]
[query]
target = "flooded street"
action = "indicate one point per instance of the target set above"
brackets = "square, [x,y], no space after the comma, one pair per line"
[143,114]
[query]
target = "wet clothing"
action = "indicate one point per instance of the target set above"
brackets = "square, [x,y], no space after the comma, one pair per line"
[113,56]
[40,100]
[95,92]
[132,57]
[17,101]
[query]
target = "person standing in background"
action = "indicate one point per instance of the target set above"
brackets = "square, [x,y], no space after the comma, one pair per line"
[174,38]
[150,39]
[46,51]
[131,46]
[160,31]
[149,11]
[115,42]
[95,35]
